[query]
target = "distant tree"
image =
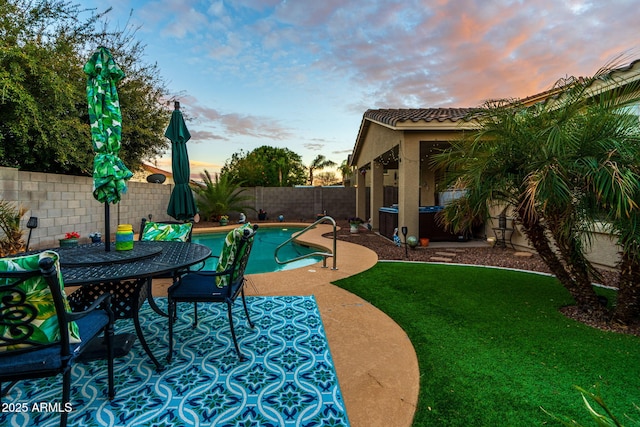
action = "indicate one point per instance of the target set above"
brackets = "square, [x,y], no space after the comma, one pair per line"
[219,196]
[326,178]
[44,122]
[265,166]
[345,171]
[319,163]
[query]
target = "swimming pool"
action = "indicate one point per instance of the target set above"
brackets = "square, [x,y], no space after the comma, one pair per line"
[264,245]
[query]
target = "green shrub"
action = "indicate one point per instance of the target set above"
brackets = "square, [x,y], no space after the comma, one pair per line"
[11,239]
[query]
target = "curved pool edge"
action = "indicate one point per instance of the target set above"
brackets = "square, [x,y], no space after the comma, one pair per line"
[264,263]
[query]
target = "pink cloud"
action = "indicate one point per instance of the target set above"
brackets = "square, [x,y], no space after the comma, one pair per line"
[231,124]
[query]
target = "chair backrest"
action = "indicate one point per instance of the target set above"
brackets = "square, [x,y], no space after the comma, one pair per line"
[33,306]
[235,255]
[166,231]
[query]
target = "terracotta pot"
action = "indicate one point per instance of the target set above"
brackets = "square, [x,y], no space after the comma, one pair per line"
[424,241]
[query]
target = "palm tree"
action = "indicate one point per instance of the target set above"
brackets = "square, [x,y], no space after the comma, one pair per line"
[319,163]
[560,166]
[11,241]
[345,170]
[220,196]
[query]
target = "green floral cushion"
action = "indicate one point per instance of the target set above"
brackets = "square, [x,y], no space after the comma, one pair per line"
[227,256]
[155,231]
[39,295]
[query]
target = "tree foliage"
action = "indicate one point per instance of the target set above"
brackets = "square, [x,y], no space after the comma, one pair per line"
[345,171]
[326,178]
[219,196]
[561,167]
[265,167]
[319,163]
[44,123]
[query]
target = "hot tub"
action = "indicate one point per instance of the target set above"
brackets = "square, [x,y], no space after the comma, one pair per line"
[429,227]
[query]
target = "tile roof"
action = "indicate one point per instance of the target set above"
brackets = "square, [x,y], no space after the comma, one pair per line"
[392,117]
[148,168]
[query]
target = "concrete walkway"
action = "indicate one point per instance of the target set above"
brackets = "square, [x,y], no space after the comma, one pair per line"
[374,359]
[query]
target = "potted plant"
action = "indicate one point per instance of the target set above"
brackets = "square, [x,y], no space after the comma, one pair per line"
[224,219]
[95,237]
[354,223]
[70,239]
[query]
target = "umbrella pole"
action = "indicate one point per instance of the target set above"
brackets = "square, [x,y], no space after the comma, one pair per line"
[107,231]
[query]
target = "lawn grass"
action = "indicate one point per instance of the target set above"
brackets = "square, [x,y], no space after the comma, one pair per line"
[493,348]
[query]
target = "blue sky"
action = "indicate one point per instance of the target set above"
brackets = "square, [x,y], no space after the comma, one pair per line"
[300,73]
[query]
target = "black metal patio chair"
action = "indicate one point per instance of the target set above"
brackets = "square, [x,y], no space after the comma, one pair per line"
[33,312]
[223,285]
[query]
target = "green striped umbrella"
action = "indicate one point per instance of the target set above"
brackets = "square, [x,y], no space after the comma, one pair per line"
[182,206]
[109,172]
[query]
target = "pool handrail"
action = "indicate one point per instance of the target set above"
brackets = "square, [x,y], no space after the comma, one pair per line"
[324,255]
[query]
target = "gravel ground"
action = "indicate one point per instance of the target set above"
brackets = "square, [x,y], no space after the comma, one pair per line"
[472,252]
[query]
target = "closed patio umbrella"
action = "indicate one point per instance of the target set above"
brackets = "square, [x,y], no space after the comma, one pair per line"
[182,206]
[109,172]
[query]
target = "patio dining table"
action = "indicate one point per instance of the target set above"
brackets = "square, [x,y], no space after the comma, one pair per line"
[126,275]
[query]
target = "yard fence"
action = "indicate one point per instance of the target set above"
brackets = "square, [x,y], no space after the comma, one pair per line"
[65,203]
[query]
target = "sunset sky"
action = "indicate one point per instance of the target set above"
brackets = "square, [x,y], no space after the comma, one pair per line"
[300,73]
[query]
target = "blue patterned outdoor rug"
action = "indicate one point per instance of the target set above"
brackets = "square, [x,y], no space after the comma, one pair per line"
[288,379]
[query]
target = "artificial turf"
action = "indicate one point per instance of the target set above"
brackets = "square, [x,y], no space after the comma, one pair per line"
[494,349]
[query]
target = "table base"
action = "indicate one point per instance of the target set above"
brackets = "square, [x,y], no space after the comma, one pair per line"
[97,348]
[127,297]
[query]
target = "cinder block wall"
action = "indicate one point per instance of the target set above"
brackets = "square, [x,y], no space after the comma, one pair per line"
[65,203]
[303,203]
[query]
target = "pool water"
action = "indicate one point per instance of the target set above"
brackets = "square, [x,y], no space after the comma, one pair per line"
[265,243]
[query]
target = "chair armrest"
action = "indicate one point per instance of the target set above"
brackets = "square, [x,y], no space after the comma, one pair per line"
[103,300]
[213,273]
[201,264]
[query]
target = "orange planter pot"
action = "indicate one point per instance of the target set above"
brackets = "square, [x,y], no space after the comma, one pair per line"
[424,241]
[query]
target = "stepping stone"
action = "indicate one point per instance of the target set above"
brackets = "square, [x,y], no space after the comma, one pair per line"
[523,254]
[446,254]
[441,259]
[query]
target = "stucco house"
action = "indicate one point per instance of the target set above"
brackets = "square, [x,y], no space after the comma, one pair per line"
[392,149]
